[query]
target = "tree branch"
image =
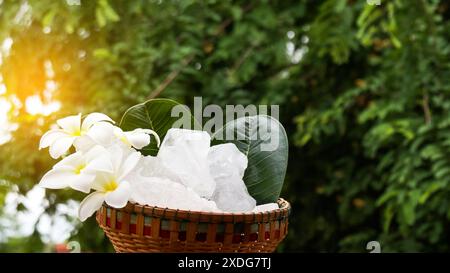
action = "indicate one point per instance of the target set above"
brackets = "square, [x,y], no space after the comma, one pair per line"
[426,108]
[242,59]
[171,77]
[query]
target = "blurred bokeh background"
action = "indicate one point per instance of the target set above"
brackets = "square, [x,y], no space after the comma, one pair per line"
[363,89]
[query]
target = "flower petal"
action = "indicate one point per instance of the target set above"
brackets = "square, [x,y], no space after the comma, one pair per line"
[98,160]
[55,179]
[102,133]
[119,197]
[82,182]
[95,152]
[138,139]
[48,138]
[116,155]
[128,164]
[70,162]
[60,146]
[153,133]
[90,204]
[70,124]
[102,180]
[120,134]
[83,143]
[93,118]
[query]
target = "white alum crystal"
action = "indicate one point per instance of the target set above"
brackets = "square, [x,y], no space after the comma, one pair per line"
[185,153]
[266,207]
[151,166]
[226,160]
[162,192]
[227,165]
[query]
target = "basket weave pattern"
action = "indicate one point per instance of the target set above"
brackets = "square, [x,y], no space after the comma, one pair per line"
[137,228]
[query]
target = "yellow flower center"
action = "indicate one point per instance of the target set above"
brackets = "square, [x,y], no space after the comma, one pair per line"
[111,186]
[80,168]
[125,140]
[76,131]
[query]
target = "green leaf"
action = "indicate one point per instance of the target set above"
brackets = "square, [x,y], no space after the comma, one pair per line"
[388,215]
[101,20]
[48,17]
[408,212]
[385,197]
[432,188]
[155,114]
[101,53]
[431,152]
[104,13]
[264,141]
[408,208]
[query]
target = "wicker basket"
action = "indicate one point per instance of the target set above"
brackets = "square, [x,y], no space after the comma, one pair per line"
[137,228]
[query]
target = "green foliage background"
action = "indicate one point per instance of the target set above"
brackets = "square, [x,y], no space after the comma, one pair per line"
[363,92]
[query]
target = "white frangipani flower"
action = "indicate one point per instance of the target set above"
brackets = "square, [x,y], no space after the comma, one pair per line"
[138,138]
[111,187]
[106,134]
[70,128]
[78,170]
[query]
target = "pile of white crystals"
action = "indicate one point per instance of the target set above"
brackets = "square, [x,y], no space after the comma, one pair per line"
[189,174]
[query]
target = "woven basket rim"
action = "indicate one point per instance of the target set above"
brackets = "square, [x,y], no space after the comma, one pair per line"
[203,216]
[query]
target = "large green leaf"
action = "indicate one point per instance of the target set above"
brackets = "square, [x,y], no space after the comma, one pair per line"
[264,141]
[155,114]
